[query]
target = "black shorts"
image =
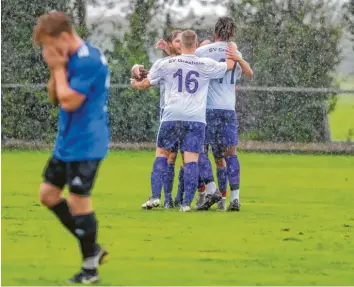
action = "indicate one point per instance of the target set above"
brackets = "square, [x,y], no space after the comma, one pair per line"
[78,175]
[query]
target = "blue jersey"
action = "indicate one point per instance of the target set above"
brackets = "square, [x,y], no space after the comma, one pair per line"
[84,134]
[221,92]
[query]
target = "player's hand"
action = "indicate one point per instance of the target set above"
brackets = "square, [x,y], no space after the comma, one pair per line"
[162,45]
[232,52]
[139,73]
[54,56]
[136,71]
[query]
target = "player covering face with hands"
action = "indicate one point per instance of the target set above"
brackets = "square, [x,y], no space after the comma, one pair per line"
[186,83]
[79,83]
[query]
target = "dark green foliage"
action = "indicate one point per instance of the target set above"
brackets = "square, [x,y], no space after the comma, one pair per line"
[133,113]
[25,113]
[28,115]
[290,44]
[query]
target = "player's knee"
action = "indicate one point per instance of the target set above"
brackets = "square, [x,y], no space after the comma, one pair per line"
[80,204]
[172,158]
[49,195]
[229,151]
[191,157]
[160,152]
[220,162]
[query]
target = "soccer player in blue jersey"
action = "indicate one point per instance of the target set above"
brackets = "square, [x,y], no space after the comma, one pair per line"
[79,84]
[221,130]
[186,82]
[172,47]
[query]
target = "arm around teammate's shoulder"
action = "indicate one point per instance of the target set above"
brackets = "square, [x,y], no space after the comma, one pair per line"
[233,54]
[232,48]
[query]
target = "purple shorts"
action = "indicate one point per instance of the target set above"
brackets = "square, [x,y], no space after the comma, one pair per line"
[175,148]
[189,136]
[221,129]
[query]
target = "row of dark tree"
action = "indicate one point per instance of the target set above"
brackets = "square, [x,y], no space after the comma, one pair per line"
[291,43]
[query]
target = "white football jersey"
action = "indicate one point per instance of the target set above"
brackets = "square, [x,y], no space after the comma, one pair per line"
[221,93]
[161,83]
[186,80]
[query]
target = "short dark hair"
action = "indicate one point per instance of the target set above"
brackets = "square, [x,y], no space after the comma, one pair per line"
[225,28]
[51,24]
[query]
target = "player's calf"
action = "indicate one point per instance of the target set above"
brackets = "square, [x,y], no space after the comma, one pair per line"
[222,182]
[191,174]
[168,180]
[158,176]
[233,170]
[51,197]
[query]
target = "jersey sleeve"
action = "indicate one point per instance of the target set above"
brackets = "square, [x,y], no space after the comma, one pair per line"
[85,75]
[199,52]
[213,69]
[156,73]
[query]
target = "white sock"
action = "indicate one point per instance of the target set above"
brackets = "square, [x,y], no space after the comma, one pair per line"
[235,194]
[211,188]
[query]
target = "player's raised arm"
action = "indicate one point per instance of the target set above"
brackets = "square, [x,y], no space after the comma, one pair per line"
[162,45]
[234,55]
[68,98]
[230,61]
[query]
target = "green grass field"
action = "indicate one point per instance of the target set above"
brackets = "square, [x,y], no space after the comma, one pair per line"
[341,120]
[295,226]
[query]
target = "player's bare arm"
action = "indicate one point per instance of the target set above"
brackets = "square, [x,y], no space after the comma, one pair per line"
[162,45]
[233,54]
[144,84]
[51,90]
[69,99]
[230,61]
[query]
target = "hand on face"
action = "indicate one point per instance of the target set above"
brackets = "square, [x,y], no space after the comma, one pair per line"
[55,55]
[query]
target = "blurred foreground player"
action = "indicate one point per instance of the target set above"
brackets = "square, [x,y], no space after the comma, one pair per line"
[79,84]
[186,82]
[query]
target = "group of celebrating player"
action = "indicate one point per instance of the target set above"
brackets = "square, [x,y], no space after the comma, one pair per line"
[197,89]
[197,102]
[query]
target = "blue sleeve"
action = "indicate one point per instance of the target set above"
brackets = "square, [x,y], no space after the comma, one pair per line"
[86,74]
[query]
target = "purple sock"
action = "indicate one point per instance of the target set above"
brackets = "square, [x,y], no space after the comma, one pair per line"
[168,182]
[191,173]
[222,178]
[157,176]
[180,190]
[205,169]
[233,171]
